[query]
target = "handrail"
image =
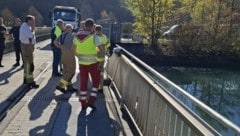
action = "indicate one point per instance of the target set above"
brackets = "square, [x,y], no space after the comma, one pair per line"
[225,122]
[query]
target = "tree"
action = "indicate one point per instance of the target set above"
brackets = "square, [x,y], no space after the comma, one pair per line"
[38,17]
[108,15]
[149,15]
[86,10]
[7,16]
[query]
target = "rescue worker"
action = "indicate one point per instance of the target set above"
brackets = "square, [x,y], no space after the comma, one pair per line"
[3,33]
[55,33]
[16,42]
[105,42]
[82,25]
[86,42]
[28,39]
[65,43]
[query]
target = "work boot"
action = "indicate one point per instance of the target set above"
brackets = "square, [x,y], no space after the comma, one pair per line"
[84,103]
[92,107]
[56,74]
[100,90]
[71,88]
[24,81]
[33,85]
[61,89]
[16,64]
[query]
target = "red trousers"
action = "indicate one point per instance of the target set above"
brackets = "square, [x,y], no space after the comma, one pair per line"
[94,72]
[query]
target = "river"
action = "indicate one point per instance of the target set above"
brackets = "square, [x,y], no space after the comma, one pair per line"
[217,88]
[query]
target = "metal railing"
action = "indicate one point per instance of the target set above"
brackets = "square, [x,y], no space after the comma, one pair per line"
[42,33]
[137,88]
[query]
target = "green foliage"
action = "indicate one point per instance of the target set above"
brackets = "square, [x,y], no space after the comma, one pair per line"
[149,16]
[8,17]
[88,8]
[206,26]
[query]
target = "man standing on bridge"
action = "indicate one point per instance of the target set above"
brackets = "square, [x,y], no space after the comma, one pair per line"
[17,43]
[86,43]
[3,32]
[28,39]
[65,43]
[105,42]
[55,33]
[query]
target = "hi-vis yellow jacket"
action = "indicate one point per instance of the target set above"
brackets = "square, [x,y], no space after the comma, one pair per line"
[86,50]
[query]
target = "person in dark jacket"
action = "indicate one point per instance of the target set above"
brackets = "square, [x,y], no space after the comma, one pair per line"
[3,32]
[55,33]
[16,42]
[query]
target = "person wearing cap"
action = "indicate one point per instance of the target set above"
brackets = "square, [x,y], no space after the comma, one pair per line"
[55,33]
[86,43]
[105,42]
[65,43]
[28,39]
[82,25]
[16,42]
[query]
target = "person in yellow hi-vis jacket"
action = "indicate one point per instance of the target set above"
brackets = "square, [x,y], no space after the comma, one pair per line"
[55,33]
[86,43]
[105,42]
[65,43]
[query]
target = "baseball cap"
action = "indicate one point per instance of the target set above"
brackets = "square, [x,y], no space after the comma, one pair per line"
[60,20]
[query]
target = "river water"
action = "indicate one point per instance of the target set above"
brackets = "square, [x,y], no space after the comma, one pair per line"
[217,88]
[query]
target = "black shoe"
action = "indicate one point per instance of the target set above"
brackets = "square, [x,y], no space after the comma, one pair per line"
[70,88]
[61,89]
[24,81]
[92,107]
[56,74]
[33,85]
[73,90]
[1,65]
[100,90]
[16,64]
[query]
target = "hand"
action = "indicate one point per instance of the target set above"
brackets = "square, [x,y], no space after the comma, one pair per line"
[33,25]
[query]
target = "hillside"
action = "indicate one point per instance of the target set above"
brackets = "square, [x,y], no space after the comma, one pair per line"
[40,8]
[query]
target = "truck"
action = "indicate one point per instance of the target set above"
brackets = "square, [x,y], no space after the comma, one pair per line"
[70,15]
[111,29]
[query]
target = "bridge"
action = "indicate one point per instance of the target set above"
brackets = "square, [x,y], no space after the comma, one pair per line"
[137,100]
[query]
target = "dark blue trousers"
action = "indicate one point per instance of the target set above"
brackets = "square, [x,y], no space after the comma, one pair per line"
[56,59]
[2,47]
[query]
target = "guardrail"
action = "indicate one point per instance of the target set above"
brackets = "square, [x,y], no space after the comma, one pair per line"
[10,47]
[42,33]
[153,108]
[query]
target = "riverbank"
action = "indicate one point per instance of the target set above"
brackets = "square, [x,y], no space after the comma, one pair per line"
[156,58]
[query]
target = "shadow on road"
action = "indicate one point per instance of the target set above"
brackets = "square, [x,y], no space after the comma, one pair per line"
[57,124]
[47,47]
[42,99]
[7,74]
[96,122]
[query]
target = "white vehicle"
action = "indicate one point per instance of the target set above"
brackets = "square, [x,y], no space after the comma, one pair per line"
[70,15]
